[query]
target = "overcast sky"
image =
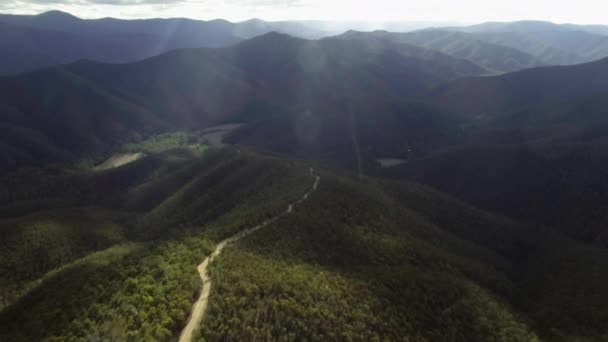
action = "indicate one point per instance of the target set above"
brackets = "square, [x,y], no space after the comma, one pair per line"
[465,11]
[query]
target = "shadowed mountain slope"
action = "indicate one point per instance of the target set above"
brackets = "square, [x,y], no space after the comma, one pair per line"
[52,38]
[543,89]
[273,77]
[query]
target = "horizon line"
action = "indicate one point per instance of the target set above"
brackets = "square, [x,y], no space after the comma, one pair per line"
[358,21]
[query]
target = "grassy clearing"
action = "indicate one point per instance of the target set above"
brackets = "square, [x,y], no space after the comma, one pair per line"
[178,140]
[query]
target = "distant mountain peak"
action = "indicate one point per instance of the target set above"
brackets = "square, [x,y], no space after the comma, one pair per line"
[255,20]
[522,25]
[58,15]
[274,35]
[255,24]
[218,21]
[270,38]
[351,34]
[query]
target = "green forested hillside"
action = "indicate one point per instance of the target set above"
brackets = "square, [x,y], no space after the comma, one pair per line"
[399,261]
[144,290]
[337,271]
[33,245]
[361,258]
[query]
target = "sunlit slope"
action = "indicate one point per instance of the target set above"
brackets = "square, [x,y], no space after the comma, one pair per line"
[51,217]
[36,244]
[189,203]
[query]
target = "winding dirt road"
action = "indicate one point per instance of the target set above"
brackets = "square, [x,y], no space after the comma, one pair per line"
[198,310]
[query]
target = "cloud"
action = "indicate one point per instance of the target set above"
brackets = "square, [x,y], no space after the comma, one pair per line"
[197,9]
[244,3]
[104,2]
[130,9]
[580,11]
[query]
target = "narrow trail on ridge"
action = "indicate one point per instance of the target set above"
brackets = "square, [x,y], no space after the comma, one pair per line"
[200,306]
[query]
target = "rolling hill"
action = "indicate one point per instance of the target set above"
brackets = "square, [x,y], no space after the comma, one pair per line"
[551,43]
[492,57]
[531,143]
[360,257]
[48,39]
[538,89]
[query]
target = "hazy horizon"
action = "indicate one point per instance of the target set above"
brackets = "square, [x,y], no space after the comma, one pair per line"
[587,12]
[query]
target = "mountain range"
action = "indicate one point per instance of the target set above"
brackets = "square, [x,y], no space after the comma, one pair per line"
[31,42]
[57,37]
[200,87]
[327,99]
[445,184]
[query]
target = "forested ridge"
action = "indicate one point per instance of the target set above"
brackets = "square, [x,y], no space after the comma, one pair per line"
[365,278]
[142,291]
[414,265]
[361,259]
